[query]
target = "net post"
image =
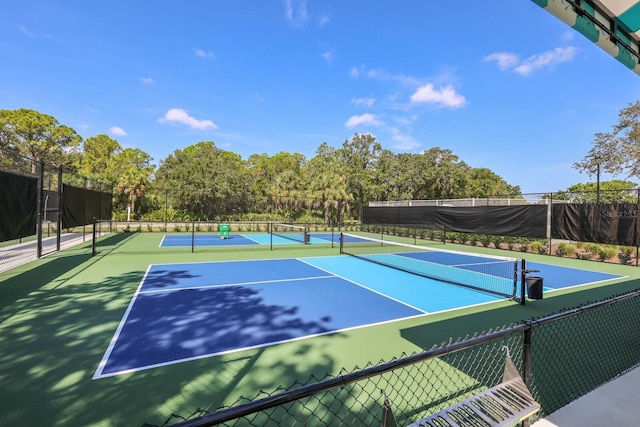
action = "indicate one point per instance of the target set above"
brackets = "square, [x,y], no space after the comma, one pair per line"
[341,243]
[444,234]
[270,227]
[193,236]
[523,276]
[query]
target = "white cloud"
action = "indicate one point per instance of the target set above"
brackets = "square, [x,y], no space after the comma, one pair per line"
[204,54]
[117,131]
[505,60]
[296,12]
[26,31]
[363,102]
[147,80]
[545,60]
[364,119]
[180,116]
[443,97]
[324,20]
[404,142]
[328,56]
[382,75]
[511,62]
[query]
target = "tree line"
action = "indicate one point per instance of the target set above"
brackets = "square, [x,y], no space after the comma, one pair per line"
[203,181]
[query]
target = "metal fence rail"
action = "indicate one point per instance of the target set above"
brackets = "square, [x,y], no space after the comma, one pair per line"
[560,358]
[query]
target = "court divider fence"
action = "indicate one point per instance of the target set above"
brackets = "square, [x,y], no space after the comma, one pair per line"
[143,237]
[560,357]
[54,214]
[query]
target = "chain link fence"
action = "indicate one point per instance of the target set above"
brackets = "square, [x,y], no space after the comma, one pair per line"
[560,357]
[47,235]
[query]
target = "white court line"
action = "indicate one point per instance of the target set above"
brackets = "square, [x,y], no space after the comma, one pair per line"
[116,335]
[364,287]
[226,285]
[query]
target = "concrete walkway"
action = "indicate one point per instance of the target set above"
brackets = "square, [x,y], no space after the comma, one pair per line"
[24,253]
[615,404]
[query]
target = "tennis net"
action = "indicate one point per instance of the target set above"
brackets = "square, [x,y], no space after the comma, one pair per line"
[298,233]
[486,273]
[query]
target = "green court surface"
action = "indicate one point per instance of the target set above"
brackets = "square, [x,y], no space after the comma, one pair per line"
[59,314]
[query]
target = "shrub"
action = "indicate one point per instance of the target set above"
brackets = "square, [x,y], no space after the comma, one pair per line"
[497,242]
[586,256]
[591,247]
[149,228]
[177,228]
[485,241]
[565,249]
[606,252]
[539,247]
[625,255]
[524,245]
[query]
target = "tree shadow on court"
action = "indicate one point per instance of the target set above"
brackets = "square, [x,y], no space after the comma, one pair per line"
[45,273]
[173,326]
[62,315]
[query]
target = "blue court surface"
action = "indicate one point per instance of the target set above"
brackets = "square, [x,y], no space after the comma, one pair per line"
[187,240]
[189,311]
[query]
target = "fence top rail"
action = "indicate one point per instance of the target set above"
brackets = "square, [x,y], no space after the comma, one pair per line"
[343,380]
[288,396]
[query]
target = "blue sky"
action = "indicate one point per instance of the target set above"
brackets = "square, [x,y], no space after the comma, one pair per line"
[501,83]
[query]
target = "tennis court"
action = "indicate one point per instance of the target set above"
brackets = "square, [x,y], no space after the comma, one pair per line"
[128,340]
[284,238]
[187,311]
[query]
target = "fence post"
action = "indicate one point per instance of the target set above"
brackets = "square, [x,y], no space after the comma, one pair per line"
[94,252]
[526,358]
[523,279]
[59,221]
[39,207]
[635,228]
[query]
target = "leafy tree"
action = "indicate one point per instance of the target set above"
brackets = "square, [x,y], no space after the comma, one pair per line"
[38,136]
[264,169]
[359,158]
[618,151]
[99,159]
[483,182]
[134,171]
[615,191]
[204,180]
[405,177]
[446,175]
[326,182]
